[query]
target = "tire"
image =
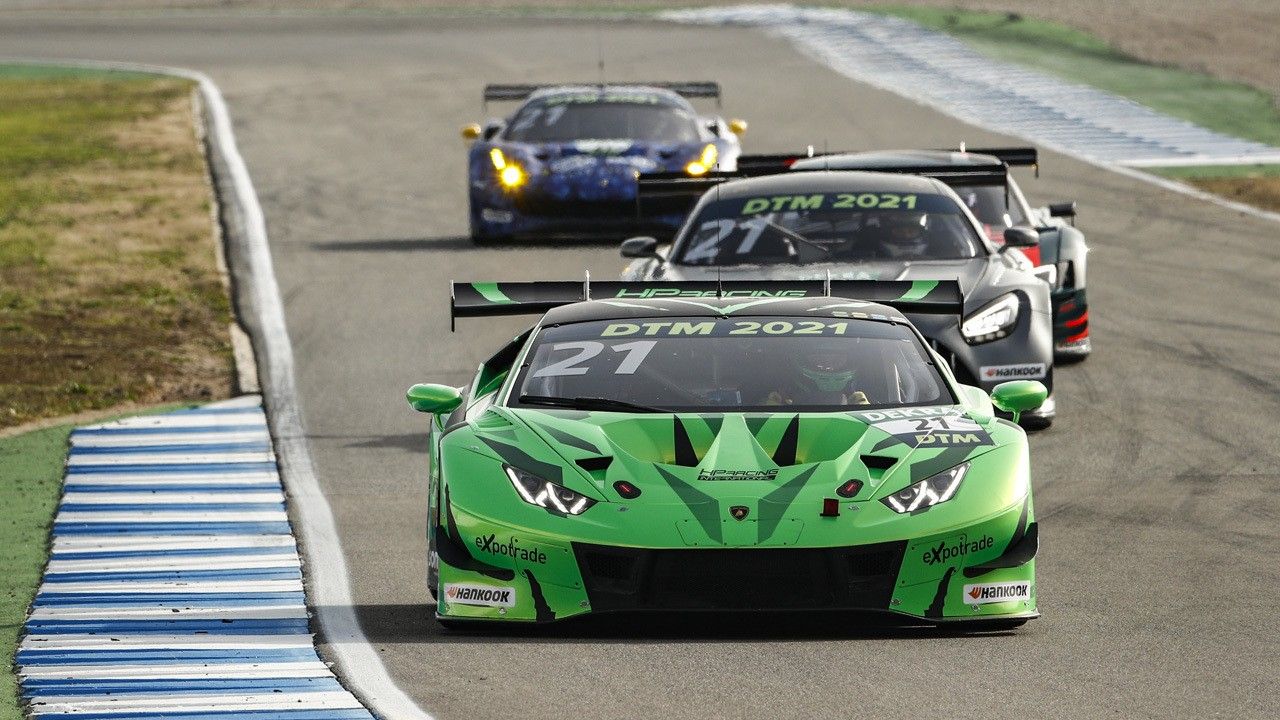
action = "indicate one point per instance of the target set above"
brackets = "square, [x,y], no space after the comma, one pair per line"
[1035,422]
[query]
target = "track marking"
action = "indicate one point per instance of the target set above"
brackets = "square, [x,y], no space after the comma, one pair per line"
[359,664]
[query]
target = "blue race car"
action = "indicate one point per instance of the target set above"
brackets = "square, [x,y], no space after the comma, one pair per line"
[565,164]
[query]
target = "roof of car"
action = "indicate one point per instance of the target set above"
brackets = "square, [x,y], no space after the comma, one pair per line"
[831,181]
[887,158]
[748,303]
[602,92]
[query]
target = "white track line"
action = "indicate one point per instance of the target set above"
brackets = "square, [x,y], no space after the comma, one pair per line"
[359,664]
[786,18]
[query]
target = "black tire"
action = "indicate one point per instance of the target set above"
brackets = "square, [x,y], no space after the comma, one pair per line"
[1035,423]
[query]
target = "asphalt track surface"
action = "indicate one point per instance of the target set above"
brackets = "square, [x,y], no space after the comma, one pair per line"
[1156,488]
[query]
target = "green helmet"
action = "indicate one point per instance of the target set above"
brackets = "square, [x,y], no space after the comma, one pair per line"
[828,368]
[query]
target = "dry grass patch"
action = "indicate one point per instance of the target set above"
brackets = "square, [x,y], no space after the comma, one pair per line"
[109,287]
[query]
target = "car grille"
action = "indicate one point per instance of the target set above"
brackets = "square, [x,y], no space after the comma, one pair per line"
[858,577]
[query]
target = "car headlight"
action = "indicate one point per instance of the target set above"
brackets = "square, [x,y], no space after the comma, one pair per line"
[992,322]
[928,492]
[705,161]
[509,173]
[557,499]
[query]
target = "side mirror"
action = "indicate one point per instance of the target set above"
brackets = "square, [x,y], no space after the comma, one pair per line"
[470,132]
[434,399]
[640,247]
[1063,209]
[1021,236]
[1019,396]
[491,129]
[739,127]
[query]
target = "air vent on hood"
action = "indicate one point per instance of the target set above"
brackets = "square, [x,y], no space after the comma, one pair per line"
[593,464]
[877,465]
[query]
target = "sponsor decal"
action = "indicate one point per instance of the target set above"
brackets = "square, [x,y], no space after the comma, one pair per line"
[817,201]
[602,147]
[679,293]
[928,426]
[1025,371]
[984,593]
[738,474]
[739,512]
[956,549]
[671,328]
[486,595]
[510,548]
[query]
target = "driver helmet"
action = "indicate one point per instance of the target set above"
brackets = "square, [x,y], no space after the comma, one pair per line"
[903,233]
[827,366]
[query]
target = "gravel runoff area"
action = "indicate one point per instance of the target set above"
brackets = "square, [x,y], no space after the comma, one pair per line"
[1230,39]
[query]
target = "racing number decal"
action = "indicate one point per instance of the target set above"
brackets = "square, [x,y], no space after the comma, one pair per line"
[636,352]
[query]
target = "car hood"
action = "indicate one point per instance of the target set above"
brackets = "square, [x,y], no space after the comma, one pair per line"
[590,156]
[969,273]
[673,457]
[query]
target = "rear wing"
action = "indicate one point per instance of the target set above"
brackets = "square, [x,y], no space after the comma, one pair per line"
[492,299]
[519,91]
[752,165]
[674,193]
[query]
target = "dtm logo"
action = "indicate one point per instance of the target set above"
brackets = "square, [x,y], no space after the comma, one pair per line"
[997,592]
[511,548]
[489,596]
[1029,371]
[955,549]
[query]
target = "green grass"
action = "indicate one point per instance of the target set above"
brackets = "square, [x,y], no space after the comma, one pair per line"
[30,484]
[109,287]
[1227,107]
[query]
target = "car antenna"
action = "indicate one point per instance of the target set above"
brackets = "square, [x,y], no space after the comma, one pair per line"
[826,156]
[600,58]
[719,284]
[962,150]
[586,286]
[826,286]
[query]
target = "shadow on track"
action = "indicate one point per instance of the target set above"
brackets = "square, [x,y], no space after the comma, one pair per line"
[414,623]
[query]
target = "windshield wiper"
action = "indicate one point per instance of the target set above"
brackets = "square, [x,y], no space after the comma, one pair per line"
[794,237]
[587,403]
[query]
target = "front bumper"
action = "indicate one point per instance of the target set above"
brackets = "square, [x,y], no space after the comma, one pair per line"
[513,574]
[529,212]
[1025,354]
[1071,324]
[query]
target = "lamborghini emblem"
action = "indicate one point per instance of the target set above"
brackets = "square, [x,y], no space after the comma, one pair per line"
[739,512]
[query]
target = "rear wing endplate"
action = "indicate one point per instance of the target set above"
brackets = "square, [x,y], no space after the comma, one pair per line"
[493,299]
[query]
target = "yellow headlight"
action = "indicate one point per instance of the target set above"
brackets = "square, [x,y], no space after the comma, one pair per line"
[705,161]
[499,161]
[511,176]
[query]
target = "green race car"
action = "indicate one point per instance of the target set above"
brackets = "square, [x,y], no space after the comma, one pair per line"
[741,446]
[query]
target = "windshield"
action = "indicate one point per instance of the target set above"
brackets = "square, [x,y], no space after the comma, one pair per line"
[828,227]
[729,365]
[597,120]
[994,208]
